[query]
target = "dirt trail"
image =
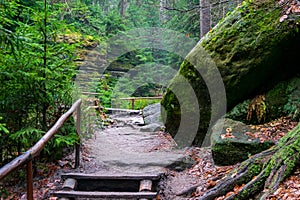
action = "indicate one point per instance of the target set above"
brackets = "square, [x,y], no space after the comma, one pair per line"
[123,147]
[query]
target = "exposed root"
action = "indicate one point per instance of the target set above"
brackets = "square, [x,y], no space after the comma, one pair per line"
[193,188]
[239,176]
[263,171]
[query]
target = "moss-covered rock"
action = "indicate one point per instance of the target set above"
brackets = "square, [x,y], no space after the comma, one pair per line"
[252,50]
[236,147]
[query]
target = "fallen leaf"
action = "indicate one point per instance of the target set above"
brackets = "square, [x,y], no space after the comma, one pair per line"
[210,184]
[228,130]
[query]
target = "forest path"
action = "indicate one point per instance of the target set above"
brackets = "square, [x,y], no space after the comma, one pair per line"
[124,147]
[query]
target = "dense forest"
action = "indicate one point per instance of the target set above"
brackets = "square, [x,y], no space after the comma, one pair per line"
[43,42]
[52,52]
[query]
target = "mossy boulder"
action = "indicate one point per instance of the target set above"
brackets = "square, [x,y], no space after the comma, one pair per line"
[251,49]
[229,148]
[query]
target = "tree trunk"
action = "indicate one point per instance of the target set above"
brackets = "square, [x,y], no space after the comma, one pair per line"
[162,16]
[123,7]
[262,172]
[204,17]
[44,87]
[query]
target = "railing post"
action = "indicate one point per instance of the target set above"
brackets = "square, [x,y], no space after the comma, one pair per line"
[29,180]
[77,146]
[132,104]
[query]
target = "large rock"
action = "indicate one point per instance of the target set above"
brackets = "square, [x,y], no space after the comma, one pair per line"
[152,118]
[252,50]
[236,147]
[152,114]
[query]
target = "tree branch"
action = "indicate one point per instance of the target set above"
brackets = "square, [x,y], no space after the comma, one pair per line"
[196,7]
[182,10]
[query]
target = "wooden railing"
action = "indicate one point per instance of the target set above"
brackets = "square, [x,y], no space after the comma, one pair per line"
[132,99]
[29,155]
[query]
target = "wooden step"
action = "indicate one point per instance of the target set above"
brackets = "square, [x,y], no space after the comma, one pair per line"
[90,194]
[124,186]
[79,176]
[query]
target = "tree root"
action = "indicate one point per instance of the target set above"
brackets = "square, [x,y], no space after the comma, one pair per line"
[193,188]
[263,171]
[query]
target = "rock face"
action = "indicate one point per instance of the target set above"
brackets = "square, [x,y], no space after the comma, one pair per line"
[251,49]
[282,100]
[236,146]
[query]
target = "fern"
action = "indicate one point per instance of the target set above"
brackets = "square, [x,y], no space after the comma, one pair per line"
[259,107]
[27,136]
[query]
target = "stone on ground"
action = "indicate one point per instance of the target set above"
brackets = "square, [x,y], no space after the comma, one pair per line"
[232,145]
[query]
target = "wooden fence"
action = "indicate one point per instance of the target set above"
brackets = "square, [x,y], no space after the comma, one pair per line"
[132,99]
[29,155]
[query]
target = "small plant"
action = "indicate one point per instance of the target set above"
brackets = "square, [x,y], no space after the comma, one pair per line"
[3,128]
[3,135]
[259,107]
[3,193]
[105,88]
[27,137]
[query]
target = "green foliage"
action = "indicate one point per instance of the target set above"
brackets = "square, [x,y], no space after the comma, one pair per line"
[65,140]
[143,15]
[105,89]
[38,46]
[186,22]
[4,135]
[27,137]
[3,128]
[142,103]
[36,71]
[292,106]
[146,80]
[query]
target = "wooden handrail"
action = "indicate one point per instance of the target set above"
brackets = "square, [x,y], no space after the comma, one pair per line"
[140,98]
[132,99]
[26,158]
[91,93]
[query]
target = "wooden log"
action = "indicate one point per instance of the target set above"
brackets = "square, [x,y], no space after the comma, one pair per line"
[123,110]
[113,177]
[140,98]
[89,194]
[145,185]
[132,99]
[69,184]
[91,93]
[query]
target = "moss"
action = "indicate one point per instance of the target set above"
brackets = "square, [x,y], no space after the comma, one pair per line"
[281,100]
[239,112]
[255,169]
[247,47]
[229,153]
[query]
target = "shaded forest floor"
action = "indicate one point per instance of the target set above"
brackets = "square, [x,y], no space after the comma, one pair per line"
[178,184]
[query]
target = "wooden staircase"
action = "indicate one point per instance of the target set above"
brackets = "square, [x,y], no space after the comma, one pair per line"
[121,186]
